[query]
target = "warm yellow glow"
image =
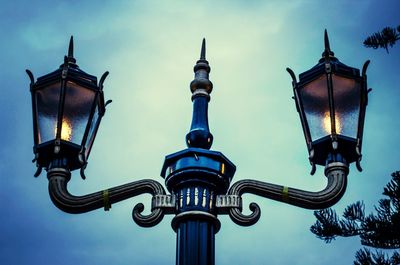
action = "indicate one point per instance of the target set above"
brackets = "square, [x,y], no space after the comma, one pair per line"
[326,123]
[66,130]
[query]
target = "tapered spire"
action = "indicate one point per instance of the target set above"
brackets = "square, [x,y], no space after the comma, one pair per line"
[199,135]
[201,73]
[203,50]
[71,47]
[326,41]
[327,52]
[70,57]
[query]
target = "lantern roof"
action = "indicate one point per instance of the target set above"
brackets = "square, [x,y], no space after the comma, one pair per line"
[328,63]
[69,69]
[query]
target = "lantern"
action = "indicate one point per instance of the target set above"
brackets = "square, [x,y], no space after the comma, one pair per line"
[67,107]
[331,99]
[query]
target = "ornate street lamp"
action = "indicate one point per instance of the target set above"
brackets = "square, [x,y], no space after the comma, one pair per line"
[67,108]
[331,99]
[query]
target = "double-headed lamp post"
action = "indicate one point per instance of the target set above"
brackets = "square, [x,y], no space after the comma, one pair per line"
[68,105]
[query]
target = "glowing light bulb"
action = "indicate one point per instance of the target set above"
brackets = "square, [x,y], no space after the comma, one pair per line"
[326,123]
[66,130]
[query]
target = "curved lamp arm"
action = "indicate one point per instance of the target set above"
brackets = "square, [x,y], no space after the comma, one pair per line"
[336,173]
[65,201]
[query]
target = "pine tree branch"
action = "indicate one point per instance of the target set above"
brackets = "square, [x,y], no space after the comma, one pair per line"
[328,225]
[383,39]
[378,230]
[366,257]
[395,259]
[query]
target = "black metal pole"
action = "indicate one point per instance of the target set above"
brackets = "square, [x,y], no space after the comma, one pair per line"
[196,176]
[195,225]
[195,243]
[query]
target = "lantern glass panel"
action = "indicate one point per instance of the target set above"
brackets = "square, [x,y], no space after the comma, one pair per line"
[92,131]
[315,101]
[47,102]
[77,107]
[346,96]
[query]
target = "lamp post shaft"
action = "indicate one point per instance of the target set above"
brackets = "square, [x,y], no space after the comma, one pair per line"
[197,184]
[195,243]
[195,225]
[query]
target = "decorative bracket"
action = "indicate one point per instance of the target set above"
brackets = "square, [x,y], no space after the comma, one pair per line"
[224,203]
[161,203]
[167,203]
[336,172]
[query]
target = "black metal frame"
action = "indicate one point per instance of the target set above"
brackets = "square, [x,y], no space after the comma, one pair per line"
[349,147]
[76,154]
[198,181]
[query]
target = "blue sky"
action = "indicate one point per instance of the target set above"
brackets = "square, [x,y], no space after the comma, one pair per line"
[150,47]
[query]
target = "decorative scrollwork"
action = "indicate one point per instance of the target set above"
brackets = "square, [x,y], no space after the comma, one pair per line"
[149,220]
[335,172]
[245,220]
[161,204]
[59,194]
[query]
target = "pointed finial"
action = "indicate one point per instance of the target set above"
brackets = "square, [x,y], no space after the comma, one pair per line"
[199,135]
[70,57]
[327,52]
[201,71]
[203,50]
[326,41]
[71,47]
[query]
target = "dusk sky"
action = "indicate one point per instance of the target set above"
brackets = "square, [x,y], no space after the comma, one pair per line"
[150,48]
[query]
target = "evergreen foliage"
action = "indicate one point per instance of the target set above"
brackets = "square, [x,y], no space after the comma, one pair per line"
[387,37]
[377,230]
